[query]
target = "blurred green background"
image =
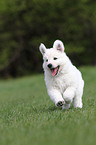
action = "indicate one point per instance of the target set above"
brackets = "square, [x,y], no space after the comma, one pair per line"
[27,115]
[24,24]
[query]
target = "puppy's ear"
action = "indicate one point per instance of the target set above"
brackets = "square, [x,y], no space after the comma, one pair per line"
[59,45]
[42,48]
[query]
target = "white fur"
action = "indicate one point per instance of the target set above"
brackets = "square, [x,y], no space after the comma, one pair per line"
[67,85]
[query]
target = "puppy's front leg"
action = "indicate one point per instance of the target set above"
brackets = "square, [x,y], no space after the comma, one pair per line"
[68,96]
[56,97]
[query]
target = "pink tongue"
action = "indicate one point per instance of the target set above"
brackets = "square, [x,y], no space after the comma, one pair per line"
[53,71]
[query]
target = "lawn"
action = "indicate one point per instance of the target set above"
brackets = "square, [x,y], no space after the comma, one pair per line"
[29,117]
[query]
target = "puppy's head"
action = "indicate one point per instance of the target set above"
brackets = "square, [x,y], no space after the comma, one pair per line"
[53,57]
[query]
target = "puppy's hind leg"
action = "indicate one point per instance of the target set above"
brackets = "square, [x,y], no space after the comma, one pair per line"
[77,103]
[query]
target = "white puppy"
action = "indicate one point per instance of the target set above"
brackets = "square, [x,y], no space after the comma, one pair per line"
[63,80]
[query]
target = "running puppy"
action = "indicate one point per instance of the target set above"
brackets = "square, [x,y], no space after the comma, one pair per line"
[63,80]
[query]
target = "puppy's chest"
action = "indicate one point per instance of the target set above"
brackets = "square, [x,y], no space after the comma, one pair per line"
[59,83]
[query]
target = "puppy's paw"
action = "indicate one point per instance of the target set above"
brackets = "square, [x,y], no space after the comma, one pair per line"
[66,106]
[60,103]
[68,100]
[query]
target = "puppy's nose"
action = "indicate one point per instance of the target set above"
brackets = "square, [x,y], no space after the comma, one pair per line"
[49,65]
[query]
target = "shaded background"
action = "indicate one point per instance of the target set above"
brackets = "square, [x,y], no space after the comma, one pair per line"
[25,24]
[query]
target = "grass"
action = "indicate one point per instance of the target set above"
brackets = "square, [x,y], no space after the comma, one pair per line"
[29,117]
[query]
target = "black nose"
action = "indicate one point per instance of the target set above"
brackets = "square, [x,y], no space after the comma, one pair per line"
[49,65]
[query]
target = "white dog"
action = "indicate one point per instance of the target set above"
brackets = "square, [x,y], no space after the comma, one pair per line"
[63,80]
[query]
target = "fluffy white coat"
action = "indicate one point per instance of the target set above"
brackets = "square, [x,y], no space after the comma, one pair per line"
[63,80]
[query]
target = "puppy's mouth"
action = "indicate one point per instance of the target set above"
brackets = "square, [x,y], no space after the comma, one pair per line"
[55,71]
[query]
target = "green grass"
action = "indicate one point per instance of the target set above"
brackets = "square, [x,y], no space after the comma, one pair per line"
[29,117]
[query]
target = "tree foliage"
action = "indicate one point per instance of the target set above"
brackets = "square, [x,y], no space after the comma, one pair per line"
[25,24]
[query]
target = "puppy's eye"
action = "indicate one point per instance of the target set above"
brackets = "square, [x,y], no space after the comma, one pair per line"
[55,58]
[46,60]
